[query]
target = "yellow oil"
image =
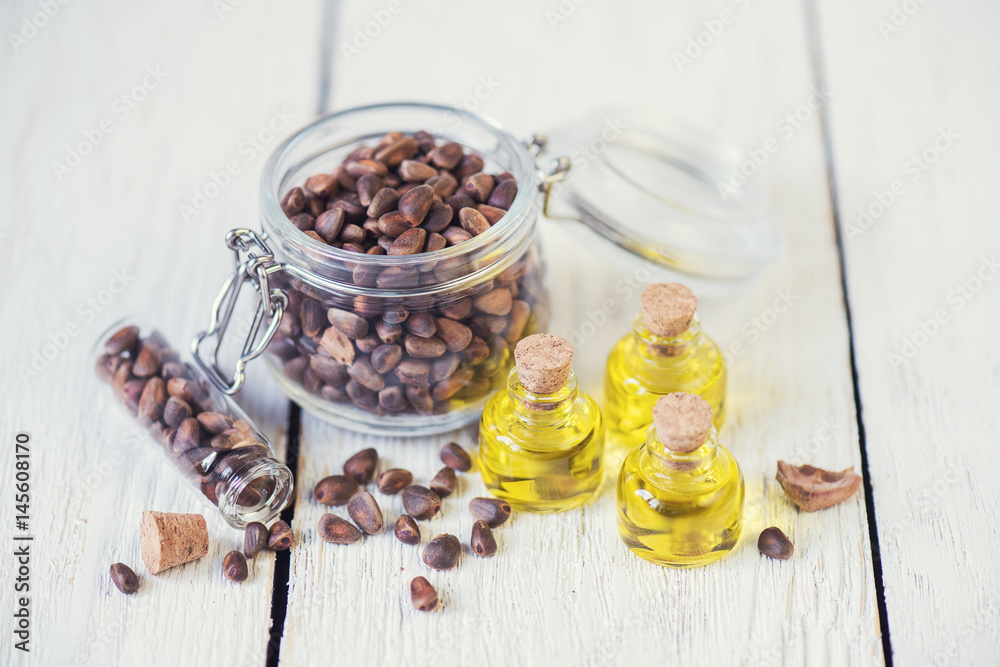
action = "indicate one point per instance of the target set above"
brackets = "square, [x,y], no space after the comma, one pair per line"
[680,518]
[642,367]
[541,453]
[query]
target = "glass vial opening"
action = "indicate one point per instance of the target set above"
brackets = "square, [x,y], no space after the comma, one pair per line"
[253,489]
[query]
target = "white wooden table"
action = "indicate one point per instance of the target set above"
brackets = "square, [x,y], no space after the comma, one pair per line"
[886,358]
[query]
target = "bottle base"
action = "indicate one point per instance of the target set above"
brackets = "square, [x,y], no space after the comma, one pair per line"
[675,560]
[545,506]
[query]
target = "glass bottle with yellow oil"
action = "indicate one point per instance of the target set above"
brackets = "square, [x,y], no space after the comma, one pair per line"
[665,352]
[680,495]
[541,439]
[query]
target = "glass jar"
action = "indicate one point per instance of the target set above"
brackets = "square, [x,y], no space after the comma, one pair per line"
[431,334]
[210,440]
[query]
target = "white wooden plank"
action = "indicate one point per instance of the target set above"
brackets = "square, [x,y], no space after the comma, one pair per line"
[64,240]
[918,111]
[563,588]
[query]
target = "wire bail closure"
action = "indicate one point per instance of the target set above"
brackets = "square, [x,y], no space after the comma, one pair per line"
[558,170]
[254,262]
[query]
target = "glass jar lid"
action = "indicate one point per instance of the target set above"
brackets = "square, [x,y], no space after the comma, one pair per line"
[665,191]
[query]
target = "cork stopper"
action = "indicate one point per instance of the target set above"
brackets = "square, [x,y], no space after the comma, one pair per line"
[682,421]
[668,308]
[542,362]
[167,539]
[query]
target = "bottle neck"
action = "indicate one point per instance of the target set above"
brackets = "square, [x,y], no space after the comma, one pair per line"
[251,487]
[542,409]
[693,463]
[660,348]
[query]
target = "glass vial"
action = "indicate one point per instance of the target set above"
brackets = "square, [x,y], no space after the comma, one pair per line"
[541,440]
[205,434]
[680,495]
[665,352]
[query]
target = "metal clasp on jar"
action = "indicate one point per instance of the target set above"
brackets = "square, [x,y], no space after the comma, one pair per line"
[254,262]
[557,171]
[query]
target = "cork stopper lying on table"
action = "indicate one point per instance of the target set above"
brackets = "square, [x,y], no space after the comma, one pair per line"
[167,539]
[543,362]
[668,308]
[682,421]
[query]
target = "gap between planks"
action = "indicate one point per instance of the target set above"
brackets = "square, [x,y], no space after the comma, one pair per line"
[811,15]
[282,561]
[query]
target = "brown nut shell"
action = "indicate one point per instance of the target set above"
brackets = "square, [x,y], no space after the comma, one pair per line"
[445,482]
[365,512]
[394,480]
[442,553]
[335,490]
[124,578]
[407,531]
[234,567]
[483,543]
[420,502]
[491,510]
[361,466]
[454,456]
[423,595]
[335,530]
[254,539]
[813,489]
[280,537]
[775,544]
